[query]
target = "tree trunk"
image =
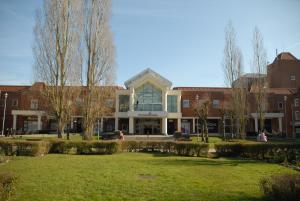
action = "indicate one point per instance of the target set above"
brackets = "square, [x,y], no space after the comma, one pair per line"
[202,132]
[205,131]
[68,132]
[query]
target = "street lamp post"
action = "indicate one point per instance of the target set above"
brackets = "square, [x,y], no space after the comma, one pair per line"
[4,110]
[285,99]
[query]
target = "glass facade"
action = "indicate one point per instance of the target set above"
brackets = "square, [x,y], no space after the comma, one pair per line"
[123,103]
[172,103]
[148,98]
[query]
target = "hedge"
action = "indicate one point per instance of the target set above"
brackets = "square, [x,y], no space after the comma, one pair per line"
[276,152]
[25,148]
[283,187]
[179,148]
[84,147]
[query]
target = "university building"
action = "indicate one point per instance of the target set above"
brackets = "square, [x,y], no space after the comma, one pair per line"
[149,104]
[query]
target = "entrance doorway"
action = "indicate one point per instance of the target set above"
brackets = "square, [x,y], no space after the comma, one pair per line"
[172,126]
[147,126]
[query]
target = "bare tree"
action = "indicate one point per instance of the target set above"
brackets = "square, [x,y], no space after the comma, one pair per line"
[56,54]
[260,68]
[201,108]
[98,61]
[240,99]
[233,70]
[230,60]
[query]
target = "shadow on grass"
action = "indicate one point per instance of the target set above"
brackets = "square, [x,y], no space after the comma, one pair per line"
[184,160]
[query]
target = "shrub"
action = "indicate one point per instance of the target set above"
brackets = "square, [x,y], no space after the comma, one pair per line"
[7,181]
[191,149]
[84,147]
[25,148]
[63,147]
[135,146]
[179,148]
[97,147]
[285,187]
[228,149]
[275,152]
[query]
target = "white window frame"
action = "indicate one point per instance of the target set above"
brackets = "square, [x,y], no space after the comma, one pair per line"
[34,104]
[216,103]
[292,77]
[185,103]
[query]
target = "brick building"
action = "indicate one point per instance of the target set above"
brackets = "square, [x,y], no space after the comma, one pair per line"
[148,104]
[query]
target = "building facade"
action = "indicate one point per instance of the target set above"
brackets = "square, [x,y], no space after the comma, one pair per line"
[149,104]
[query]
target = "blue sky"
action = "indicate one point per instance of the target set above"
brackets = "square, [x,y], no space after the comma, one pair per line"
[182,40]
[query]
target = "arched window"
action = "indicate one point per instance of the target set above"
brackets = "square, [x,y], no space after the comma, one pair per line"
[148,98]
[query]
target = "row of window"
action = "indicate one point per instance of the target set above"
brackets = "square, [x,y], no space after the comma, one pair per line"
[147,106]
[296,104]
[215,103]
[14,103]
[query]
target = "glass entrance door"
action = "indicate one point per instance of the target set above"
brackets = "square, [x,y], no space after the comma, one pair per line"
[147,126]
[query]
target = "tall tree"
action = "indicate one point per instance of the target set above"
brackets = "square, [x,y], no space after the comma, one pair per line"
[240,99]
[56,54]
[260,68]
[233,70]
[98,60]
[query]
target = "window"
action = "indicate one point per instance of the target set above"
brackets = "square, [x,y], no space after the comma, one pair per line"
[110,103]
[148,98]
[14,103]
[216,103]
[186,103]
[297,115]
[78,101]
[292,77]
[123,103]
[296,102]
[172,103]
[280,105]
[34,104]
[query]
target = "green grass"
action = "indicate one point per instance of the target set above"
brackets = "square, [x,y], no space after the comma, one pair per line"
[210,139]
[137,176]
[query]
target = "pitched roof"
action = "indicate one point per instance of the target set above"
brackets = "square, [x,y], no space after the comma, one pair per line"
[285,56]
[144,73]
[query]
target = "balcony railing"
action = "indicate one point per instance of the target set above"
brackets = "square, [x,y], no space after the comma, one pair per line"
[148,107]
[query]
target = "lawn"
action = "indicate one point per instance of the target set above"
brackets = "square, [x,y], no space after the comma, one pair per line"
[137,176]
